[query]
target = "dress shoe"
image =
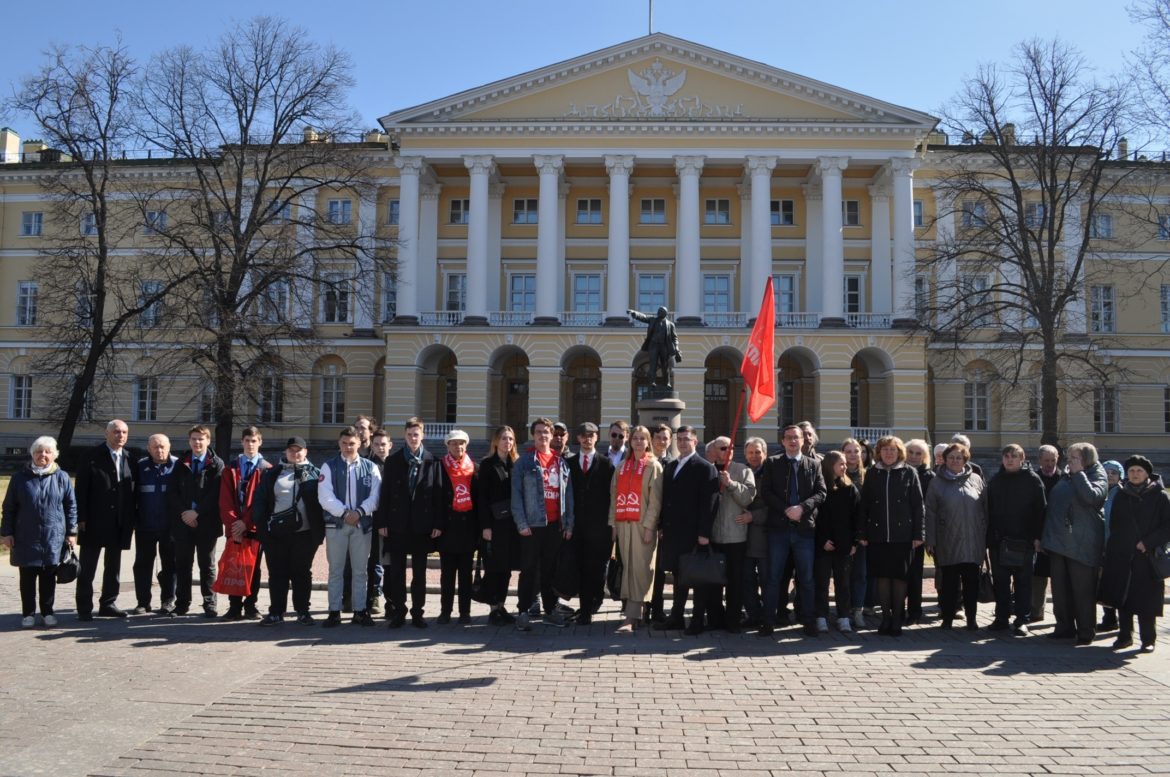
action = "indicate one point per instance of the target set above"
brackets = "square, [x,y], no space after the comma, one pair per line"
[1082,641]
[885,625]
[999,624]
[305,619]
[672,623]
[464,618]
[657,616]
[895,629]
[584,617]
[110,611]
[418,622]
[333,621]
[180,610]
[1121,643]
[946,625]
[396,621]
[1147,647]
[1020,629]
[443,619]
[251,612]
[695,628]
[765,631]
[1107,625]
[362,618]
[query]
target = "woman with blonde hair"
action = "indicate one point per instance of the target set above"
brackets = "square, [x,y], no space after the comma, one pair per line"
[635,501]
[855,459]
[493,505]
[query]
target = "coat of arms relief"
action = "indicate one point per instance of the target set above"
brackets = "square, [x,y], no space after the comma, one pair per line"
[655,95]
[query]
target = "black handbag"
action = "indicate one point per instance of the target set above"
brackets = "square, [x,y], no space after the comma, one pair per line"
[501,510]
[1160,558]
[613,576]
[68,567]
[986,585]
[480,591]
[702,568]
[1014,553]
[286,522]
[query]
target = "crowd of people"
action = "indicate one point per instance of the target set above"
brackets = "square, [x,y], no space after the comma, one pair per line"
[742,540]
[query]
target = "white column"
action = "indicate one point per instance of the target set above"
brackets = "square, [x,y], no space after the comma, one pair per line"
[362,290]
[495,228]
[424,296]
[881,274]
[562,196]
[301,288]
[406,271]
[946,272]
[746,292]
[832,241]
[1075,319]
[549,167]
[618,277]
[688,282]
[760,268]
[902,175]
[481,168]
[812,248]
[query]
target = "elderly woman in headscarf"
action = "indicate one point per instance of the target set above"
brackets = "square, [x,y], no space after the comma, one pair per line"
[1139,522]
[37,523]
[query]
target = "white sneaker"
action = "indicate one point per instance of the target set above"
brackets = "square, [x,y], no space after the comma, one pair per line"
[843,625]
[822,625]
[28,621]
[50,620]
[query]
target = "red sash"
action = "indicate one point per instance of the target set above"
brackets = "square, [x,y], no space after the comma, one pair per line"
[460,473]
[629,491]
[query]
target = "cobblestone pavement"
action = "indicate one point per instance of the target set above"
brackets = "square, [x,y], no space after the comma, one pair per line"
[187,696]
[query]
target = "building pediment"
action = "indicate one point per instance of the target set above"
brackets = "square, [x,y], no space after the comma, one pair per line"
[658,78]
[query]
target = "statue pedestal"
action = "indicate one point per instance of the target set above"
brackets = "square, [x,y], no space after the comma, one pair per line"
[662,407]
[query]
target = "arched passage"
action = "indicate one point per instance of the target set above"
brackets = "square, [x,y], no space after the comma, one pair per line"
[797,387]
[870,391]
[580,387]
[438,384]
[508,389]
[722,384]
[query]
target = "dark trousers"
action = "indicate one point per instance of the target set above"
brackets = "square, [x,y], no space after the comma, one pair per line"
[397,546]
[955,575]
[1013,589]
[1146,625]
[592,556]
[237,602]
[290,560]
[657,594]
[785,542]
[148,544]
[1074,597]
[728,604]
[44,580]
[835,565]
[111,580]
[755,577]
[539,553]
[455,567]
[914,583]
[505,549]
[374,574]
[186,554]
[859,585]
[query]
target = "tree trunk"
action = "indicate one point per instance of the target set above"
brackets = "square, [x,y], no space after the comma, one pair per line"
[1049,396]
[225,392]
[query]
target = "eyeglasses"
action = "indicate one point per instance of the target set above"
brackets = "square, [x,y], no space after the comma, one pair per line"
[617,436]
[725,447]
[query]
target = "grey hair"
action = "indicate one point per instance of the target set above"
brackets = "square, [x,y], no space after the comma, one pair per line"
[44,442]
[810,430]
[1048,449]
[942,446]
[1087,450]
[714,443]
[922,445]
[961,438]
[112,425]
[756,441]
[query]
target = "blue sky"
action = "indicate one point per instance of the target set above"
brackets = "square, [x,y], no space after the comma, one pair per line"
[405,53]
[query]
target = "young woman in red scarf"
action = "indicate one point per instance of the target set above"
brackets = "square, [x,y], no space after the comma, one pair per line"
[635,499]
[457,543]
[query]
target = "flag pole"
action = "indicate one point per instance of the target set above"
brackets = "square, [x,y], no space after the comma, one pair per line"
[735,422]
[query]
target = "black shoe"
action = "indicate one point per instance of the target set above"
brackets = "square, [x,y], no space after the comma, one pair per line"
[1020,629]
[1081,641]
[584,617]
[657,616]
[695,628]
[1147,647]
[305,619]
[209,611]
[250,612]
[85,616]
[501,617]
[947,624]
[443,619]
[972,625]
[110,611]
[333,620]
[181,610]
[395,621]
[732,629]
[418,622]
[1062,635]
[765,630]
[534,610]
[464,618]
[272,619]
[895,629]
[233,614]
[810,629]
[672,623]
[1121,643]
[998,625]
[362,618]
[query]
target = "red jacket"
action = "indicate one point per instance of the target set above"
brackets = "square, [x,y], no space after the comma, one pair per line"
[230,510]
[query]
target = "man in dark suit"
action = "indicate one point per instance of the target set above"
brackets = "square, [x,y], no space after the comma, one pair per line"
[410,518]
[105,519]
[690,496]
[793,489]
[591,474]
[661,443]
[195,522]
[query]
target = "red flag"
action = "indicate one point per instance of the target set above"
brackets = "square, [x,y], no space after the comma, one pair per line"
[758,368]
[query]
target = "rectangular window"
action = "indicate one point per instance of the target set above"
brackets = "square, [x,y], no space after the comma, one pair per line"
[31,223]
[717,212]
[455,295]
[89,224]
[589,211]
[1164,227]
[651,292]
[850,213]
[26,303]
[524,211]
[784,292]
[975,407]
[1165,310]
[1034,214]
[1101,227]
[274,302]
[974,214]
[918,213]
[340,212]
[921,296]
[332,399]
[460,210]
[854,294]
[146,399]
[587,292]
[717,293]
[270,401]
[279,213]
[786,411]
[86,301]
[207,403]
[975,299]
[522,292]
[155,222]
[392,210]
[783,213]
[389,297]
[20,398]
[150,300]
[653,212]
[334,300]
[1106,407]
[1034,410]
[1103,308]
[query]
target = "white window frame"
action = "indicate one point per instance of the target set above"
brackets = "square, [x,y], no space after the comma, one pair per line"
[340,287]
[921,296]
[154,222]
[1035,408]
[971,284]
[527,293]
[780,293]
[274,301]
[1165,305]
[726,278]
[649,212]
[591,211]
[207,402]
[525,211]
[270,399]
[152,314]
[1164,226]
[20,397]
[332,396]
[588,293]
[717,212]
[389,297]
[1101,226]
[393,212]
[32,223]
[339,211]
[1106,410]
[638,276]
[459,211]
[455,283]
[918,214]
[976,406]
[860,292]
[782,213]
[88,225]
[974,214]
[851,213]
[26,303]
[1102,309]
[146,398]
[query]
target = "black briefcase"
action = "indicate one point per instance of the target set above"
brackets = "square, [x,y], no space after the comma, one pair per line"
[702,567]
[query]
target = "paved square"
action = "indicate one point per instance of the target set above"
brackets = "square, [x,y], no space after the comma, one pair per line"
[185,696]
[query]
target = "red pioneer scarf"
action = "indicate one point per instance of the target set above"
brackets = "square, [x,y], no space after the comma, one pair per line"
[629,490]
[460,473]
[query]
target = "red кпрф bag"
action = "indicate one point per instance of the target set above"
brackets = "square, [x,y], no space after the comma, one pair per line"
[236,566]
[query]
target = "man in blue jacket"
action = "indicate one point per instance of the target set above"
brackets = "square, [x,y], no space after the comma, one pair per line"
[156,475]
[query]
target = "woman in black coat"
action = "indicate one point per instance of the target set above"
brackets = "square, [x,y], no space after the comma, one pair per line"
[493,506]
[838,529]
[1139,522]
[893,527]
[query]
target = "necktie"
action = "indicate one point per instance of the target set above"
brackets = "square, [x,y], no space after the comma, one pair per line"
[118,466]
[247,470]
[415,466]
[196,468]
[793,486]
[585,463]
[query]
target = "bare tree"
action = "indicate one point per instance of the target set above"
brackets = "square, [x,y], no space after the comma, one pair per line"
[261,119]
[1020,202]
[1152,66]
[90,302]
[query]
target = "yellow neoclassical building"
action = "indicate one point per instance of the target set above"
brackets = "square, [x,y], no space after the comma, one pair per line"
[531,213]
